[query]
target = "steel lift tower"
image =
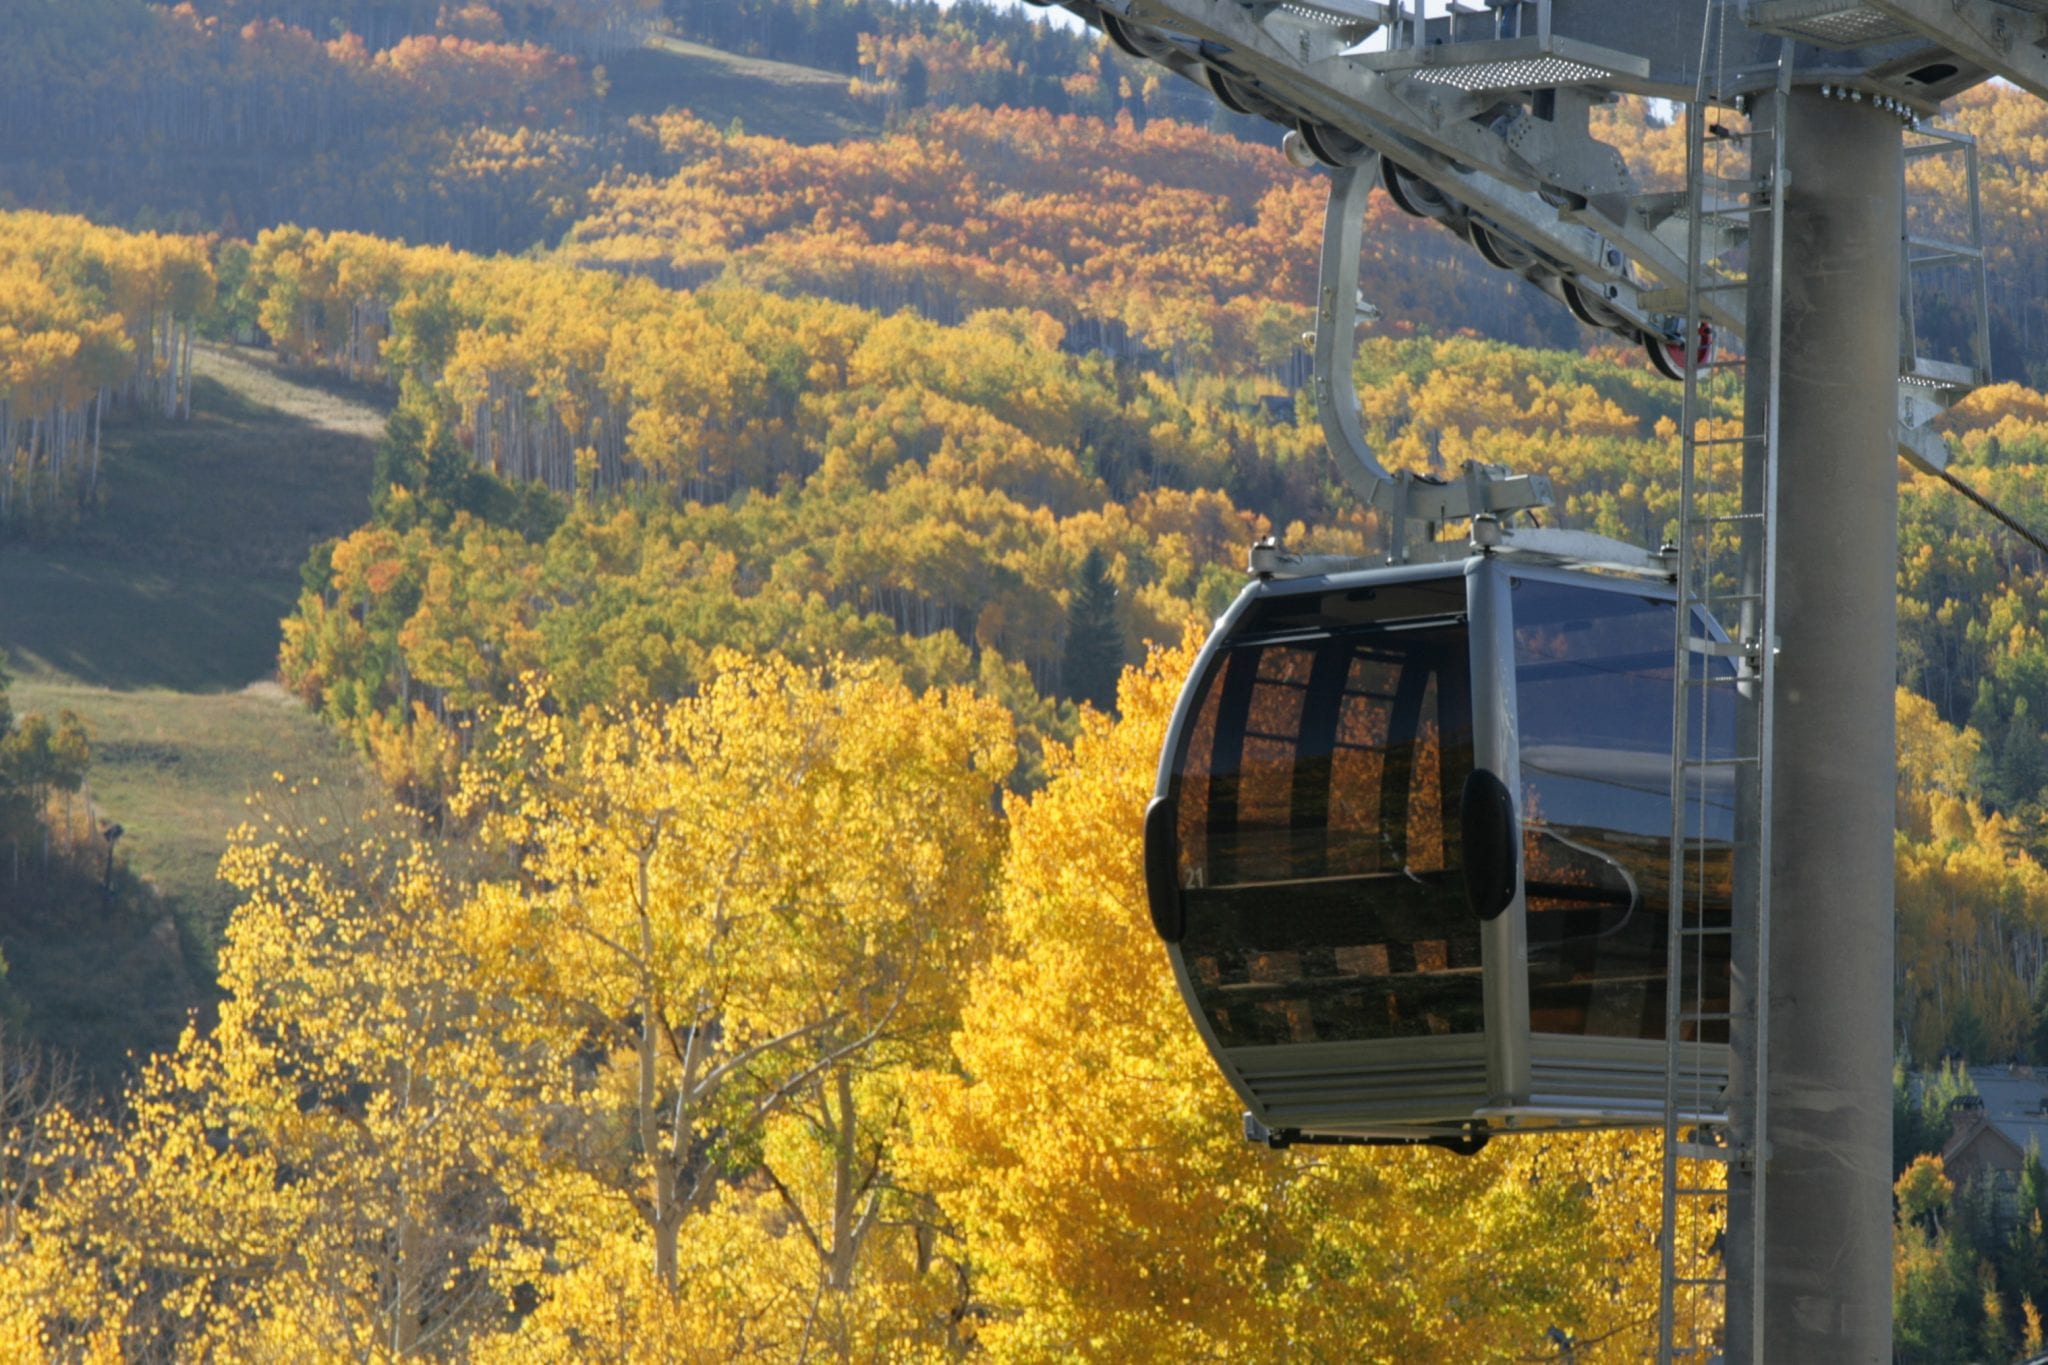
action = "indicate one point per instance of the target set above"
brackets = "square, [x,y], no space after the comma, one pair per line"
[1785,271]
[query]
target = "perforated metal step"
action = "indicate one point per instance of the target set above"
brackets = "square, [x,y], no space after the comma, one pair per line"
[1829,23]
[1513,64]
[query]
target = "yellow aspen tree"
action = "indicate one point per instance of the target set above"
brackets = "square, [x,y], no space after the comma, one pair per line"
[1107,1208]
[325,1174]
[736,917]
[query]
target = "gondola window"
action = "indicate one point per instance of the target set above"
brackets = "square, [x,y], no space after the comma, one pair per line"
[1318,830]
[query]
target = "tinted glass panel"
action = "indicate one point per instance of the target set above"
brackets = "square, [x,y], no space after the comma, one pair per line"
[1594,694]
[1317,794]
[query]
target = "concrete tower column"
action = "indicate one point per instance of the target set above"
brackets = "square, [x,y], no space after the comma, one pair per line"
[1827,1285]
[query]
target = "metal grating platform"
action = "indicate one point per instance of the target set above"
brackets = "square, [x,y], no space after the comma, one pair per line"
[1332,13]
[1830,23]
[1534,74]
[1512,64]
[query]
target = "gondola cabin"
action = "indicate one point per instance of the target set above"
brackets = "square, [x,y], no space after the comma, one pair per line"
[1411,846]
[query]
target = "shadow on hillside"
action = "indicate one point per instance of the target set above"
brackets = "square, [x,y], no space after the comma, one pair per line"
[105,976]
[240,488]
[180,577]
[127,626]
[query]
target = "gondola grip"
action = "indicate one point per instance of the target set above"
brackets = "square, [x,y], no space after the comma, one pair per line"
[1162,870]
[1487,817]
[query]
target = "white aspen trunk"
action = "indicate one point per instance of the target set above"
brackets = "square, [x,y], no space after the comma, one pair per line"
[167,368]
[99,425]
[139,389]
[28,473]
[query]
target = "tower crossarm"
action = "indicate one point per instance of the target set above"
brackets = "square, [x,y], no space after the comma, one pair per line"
[1560,207]
[1480,119]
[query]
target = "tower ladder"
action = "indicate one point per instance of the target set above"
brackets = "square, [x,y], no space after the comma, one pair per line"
[1721,723]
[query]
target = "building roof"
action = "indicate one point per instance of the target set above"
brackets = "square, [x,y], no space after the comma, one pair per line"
[2013,1102]
[2013,1109]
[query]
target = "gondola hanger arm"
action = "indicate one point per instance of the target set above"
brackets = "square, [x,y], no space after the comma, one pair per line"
[1404,497]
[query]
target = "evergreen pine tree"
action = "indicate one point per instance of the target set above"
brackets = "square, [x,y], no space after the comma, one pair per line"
[2037,1021]
[419,455]
[2022,760]
[1988,720]
[2027,1257]
[1095,642]
[916,84]
[1910,1135]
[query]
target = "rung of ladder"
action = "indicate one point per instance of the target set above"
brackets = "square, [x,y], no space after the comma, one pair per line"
[1738,761]
[1696,1190]
[1732,184]
[1706,1017]
[1943,250]
[1944,258]
[1743,440]
[1728,214]
[1701,1281]
[1706,931]
[1916,150]
[1725,519]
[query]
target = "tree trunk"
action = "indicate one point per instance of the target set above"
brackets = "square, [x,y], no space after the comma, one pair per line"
[844,1186]
[99,425]
[666,1217]
[405,1286]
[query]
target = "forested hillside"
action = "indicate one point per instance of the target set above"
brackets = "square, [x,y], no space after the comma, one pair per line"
[229,117]
[477,124]
[605,478]
[1191,249]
